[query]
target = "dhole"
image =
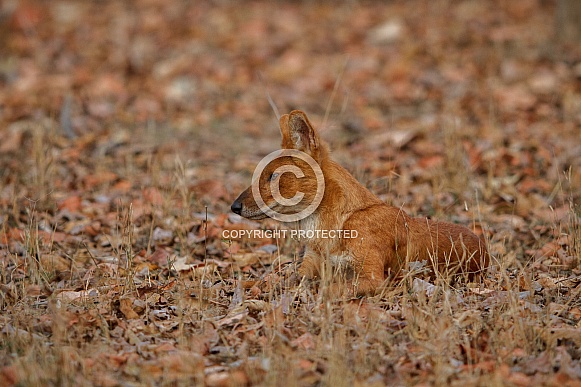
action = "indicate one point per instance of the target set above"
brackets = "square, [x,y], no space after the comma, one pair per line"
[387,238]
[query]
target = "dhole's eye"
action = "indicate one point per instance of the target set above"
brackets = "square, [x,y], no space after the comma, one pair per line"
[273,176]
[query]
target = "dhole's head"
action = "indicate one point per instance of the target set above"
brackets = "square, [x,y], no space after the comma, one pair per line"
[288,184]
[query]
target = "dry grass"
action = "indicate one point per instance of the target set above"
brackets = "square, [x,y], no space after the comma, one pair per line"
[83,313]
[112,267]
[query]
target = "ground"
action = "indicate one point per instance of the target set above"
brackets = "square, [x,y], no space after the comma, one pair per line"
[128,128]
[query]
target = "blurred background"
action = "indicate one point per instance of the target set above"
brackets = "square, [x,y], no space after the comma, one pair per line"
[432,104]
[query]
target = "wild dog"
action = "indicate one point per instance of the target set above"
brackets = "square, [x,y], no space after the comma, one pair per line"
[387,238]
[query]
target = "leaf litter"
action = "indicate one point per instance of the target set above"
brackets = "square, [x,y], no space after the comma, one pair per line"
[127,130]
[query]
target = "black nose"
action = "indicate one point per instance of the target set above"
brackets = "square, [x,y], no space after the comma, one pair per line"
[236,207]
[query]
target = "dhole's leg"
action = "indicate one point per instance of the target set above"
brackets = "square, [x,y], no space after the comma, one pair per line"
[369,276]
[368,266]
[362,285]
[309,268]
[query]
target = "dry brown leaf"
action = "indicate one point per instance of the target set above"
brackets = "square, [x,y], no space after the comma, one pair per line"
[552,335]
[72,204]
[304,341]
[225,379]
[55,262]
[249,259]
[71,295]
[125,306]
[8,376]
[165,347]
[233,318]
[394,137]
[519,379]
[180,264]
[257,305]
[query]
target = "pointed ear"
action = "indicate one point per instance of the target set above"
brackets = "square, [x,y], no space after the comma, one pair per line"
[299,134]
[285,132]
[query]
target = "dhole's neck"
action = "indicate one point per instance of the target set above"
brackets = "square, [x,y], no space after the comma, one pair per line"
[343,193]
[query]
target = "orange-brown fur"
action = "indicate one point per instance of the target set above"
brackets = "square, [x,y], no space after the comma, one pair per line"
[388,238]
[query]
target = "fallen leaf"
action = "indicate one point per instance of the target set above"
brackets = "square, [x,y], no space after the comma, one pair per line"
[125,306]
[70,295]
[304,341]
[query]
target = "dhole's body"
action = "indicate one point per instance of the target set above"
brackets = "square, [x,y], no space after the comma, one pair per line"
[387,238]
